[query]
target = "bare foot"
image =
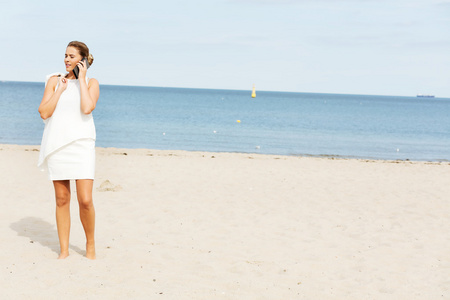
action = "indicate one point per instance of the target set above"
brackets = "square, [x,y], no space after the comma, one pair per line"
[63,255]
[90,251]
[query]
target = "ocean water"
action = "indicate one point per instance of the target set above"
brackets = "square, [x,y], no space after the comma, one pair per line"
[357,126]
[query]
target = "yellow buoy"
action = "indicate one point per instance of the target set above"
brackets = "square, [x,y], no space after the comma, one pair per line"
[239,121]
[253,92]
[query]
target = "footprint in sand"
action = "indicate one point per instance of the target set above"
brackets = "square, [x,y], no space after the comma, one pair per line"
[108,186]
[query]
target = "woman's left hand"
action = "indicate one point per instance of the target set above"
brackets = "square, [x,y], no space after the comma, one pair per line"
[82,66]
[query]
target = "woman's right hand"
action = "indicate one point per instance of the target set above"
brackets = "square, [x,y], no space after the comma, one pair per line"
[62,84]
[53,90]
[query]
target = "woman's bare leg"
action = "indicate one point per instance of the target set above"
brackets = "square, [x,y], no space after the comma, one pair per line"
[62,196]
[87,213]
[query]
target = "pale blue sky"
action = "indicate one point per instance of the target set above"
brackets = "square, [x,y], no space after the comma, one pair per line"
[381,47]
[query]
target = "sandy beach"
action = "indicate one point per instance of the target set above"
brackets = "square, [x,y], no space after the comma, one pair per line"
[199,225]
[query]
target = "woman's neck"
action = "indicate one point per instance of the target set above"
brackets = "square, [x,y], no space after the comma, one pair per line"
[70,75]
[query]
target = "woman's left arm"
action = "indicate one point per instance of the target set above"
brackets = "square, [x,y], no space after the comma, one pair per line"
[89,95]
[89,92]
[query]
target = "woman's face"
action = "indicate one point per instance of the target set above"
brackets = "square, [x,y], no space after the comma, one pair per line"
[71,59]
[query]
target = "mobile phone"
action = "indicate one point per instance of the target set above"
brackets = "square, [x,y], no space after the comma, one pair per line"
[76,70]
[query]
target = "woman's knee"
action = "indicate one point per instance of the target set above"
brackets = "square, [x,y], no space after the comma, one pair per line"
[62,199]
[85,201]
[84,193]
[62,192]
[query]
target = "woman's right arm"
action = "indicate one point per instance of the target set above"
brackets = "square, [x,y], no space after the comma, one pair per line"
[51,96]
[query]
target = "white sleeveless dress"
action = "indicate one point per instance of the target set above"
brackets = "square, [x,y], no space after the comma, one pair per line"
[68,142]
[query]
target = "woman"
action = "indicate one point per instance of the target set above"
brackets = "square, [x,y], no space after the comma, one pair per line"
[68,143]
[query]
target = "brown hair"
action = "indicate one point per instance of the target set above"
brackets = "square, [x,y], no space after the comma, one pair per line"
[83,50]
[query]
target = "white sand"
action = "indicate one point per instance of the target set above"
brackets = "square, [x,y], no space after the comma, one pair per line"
[191,225]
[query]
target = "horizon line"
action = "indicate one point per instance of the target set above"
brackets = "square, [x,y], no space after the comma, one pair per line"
[224,89]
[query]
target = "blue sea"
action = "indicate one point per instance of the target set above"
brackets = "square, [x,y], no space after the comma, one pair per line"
[282,123]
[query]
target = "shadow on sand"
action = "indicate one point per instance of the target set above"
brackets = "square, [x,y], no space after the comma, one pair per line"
[42,232]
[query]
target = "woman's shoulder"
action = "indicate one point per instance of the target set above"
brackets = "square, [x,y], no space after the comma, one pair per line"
[53,77]
[52,82]
[93,81]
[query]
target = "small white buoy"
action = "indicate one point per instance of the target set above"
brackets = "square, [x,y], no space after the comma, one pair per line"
[164,133]
[398,150]
[215,131]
